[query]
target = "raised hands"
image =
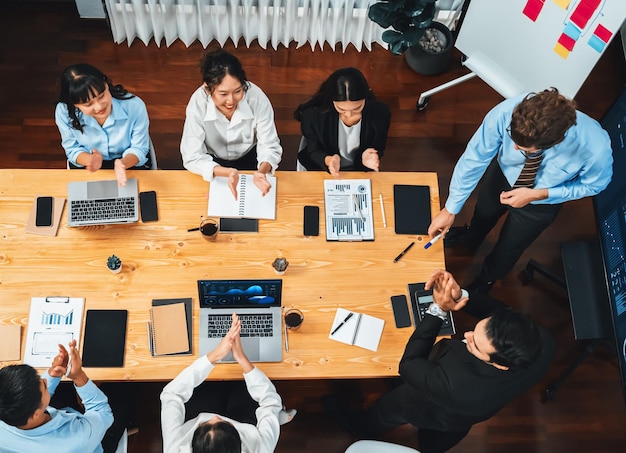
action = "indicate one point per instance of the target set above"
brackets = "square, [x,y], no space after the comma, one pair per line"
[446,291]
[94,160]
[120,172]
[231,343]
[260,180]
[333,163]
[370,159]
[225,346]
[69,363]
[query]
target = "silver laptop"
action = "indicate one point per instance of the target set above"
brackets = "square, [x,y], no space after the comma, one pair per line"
[102,202]
[258,304]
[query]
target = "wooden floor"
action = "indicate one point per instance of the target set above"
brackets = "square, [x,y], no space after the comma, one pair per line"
[39,40]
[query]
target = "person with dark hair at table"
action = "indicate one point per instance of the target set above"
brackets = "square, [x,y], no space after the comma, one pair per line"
[344,127]
[251,414]
[229,125]
[101,124]
[450,385]
[28,422]
[536,151]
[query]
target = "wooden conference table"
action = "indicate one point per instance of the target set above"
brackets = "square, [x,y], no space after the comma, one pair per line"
[163,260]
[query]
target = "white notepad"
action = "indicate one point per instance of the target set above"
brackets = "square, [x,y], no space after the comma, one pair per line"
[250,202]
[360,330]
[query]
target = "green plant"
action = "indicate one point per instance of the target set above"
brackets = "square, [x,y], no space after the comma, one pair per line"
[409,19]
[113,262]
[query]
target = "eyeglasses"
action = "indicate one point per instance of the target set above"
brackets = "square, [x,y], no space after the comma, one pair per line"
[527,154]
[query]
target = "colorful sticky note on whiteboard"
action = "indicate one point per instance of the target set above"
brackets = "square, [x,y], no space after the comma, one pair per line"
[603,33]
[596,44]
[600,38]
[571,30]
[562,3]
[532,9]
[566,41]
[561,51]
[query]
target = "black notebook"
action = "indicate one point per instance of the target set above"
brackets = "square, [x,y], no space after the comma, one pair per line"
[411,206]
[105,338]
[230,225]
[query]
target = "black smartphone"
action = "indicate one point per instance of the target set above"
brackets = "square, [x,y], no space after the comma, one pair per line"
[311,220]
[43,215]
[148,206]
[400,311]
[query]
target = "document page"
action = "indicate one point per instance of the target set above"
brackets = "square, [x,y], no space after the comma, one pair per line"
[348,210]
[52,320]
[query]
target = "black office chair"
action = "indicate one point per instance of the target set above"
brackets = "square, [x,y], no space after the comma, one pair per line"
[584,281]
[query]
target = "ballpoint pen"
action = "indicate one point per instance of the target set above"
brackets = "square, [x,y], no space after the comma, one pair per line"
[358,208]
[397,258]
[342,323]
[286,339]
[382,209]
[432,241]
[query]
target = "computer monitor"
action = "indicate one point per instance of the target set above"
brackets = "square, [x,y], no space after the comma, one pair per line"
[610,210]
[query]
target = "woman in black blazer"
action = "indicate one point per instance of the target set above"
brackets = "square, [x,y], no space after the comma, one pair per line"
[343,125]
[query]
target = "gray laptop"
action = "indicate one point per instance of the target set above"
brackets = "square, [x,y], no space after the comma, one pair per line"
[258,304]
[102,202]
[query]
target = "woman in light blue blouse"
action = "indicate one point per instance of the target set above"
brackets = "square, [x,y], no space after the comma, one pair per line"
[102,125]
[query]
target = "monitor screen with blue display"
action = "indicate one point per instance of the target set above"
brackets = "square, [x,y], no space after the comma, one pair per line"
[610,209]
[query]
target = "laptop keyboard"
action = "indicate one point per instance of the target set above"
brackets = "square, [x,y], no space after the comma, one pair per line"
[257,325]
[107,209]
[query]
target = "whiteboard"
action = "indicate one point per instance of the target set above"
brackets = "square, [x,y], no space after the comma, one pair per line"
[519,46]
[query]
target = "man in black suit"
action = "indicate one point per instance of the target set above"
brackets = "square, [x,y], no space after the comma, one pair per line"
[450,385]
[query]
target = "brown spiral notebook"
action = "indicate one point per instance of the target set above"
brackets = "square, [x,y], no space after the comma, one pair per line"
[169,329]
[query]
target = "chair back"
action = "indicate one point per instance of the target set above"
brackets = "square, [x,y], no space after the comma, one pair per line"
[375,446]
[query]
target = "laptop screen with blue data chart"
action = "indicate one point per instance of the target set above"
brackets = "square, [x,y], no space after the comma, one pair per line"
[239,293]
[258,304]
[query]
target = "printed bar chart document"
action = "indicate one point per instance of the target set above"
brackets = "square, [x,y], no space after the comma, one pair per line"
[250,203]
[52,321]
[348,210]
[357,329]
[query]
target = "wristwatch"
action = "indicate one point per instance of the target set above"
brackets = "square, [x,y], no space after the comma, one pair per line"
[436,310]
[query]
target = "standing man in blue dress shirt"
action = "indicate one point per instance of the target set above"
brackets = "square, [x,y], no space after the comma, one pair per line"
[572,159]
[29,424]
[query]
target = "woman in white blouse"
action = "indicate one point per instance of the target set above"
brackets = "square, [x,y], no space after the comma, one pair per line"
[229,125]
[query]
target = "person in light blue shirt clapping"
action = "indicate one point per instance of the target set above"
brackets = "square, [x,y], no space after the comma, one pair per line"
[102,125]
[29,424]
[533,152]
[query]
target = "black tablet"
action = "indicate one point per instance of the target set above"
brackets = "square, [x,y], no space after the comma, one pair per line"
[105,338]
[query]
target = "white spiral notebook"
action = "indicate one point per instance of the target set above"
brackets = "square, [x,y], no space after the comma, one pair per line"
[250,203]
[357,329]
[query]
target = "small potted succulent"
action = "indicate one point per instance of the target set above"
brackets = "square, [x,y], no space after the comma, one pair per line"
[114,264]
[280,265]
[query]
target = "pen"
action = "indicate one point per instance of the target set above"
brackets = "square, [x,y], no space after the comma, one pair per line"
[342,323]
[432,241]
[69,366]
[286,339]
[397,258]
[382,209]
[193,229]
[356,205]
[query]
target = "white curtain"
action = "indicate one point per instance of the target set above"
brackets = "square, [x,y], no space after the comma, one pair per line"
[271,22]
